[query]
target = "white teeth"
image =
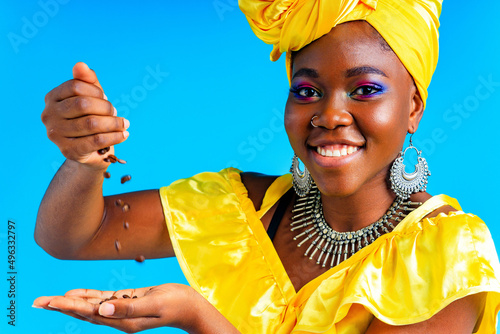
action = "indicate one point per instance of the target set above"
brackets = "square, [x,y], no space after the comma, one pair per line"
[345,150]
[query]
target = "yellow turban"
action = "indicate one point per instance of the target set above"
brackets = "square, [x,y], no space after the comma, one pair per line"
[410,27]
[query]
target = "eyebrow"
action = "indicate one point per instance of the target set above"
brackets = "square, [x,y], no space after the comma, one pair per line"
[352,72]
[355,71]
[306,72]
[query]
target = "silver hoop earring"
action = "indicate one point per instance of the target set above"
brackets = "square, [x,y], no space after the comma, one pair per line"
[312,121]
[404,184]
[302,180]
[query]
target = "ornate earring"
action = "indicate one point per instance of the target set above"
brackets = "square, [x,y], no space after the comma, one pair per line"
[404,184]
[302,180]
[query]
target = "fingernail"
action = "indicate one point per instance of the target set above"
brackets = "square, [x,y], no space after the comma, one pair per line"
[107,309]
[104,96]
[125,134]
[115,112]
[55,308]
[36,306]
[126,123]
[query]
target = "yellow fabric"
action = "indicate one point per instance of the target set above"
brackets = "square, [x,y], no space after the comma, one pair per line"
[404,277]
[410,27]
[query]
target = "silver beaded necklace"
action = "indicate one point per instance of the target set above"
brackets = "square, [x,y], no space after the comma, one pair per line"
[308,210]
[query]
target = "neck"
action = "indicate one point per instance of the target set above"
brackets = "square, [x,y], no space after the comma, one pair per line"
[358,210]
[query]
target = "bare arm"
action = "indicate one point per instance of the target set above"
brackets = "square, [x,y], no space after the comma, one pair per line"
[74,220]
[459,317]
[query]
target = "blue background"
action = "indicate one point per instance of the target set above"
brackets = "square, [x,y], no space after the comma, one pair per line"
[219,102]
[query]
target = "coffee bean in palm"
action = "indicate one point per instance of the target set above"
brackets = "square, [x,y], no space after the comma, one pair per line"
[126,178]
[113,297]
[140,258]
[125,296]
[134,297]
[125,207]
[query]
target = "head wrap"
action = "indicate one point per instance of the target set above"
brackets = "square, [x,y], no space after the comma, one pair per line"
[410,27]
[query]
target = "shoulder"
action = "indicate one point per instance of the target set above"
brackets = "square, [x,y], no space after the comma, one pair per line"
[257,185]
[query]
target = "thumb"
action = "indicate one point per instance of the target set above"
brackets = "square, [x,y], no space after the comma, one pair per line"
[82,72]
[128,308]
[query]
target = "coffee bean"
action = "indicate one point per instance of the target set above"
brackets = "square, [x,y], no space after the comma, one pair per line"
[134,297]
[125,225]
[118,246]
[125,296]
[107,175]
[103,151]
[126,178]
[119,202]
[140,258]
[106,160]
[113,297]
[125,207]
[115,159]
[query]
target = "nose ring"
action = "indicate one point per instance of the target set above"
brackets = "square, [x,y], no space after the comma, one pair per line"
[312,121]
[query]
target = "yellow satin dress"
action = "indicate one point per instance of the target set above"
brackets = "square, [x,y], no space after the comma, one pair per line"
[404,277]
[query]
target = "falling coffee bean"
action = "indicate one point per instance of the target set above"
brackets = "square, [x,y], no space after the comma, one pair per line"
[118,246]
[119,202]
[125,207]
[107,175]
[140,258]
[114,159]
[125,225]
[126,178]
[103,151]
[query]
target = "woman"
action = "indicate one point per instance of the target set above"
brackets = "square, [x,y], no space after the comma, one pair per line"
[387,256]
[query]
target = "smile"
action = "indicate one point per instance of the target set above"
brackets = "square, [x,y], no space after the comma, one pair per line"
[336,150]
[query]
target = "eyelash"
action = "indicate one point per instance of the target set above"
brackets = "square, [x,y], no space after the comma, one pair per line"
[376,89]
[296,91]
[307,93]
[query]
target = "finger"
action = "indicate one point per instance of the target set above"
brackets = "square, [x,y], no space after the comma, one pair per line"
[74,148]
[82,72]
[88,293]
[81,306]
[130,308]
[91,125]
[72,88]
[78,106]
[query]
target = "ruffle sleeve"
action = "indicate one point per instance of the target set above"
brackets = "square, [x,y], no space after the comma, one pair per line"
[407,277]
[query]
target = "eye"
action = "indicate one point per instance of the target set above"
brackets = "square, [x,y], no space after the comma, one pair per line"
[305,93]
[366,91]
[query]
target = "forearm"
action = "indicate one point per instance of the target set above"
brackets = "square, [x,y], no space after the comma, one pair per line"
[71,210]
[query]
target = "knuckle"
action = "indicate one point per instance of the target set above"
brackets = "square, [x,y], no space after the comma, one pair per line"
[98,139]
[91,123]
[74,86]
[80,103]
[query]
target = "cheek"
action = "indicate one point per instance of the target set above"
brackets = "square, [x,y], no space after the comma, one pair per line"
[295,122]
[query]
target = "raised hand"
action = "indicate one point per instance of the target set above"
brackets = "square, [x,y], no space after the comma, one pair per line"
[80,120]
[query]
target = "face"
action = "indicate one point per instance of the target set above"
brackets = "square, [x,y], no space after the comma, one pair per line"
[363,102]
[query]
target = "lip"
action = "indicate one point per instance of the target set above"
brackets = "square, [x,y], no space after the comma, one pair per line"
[334,161]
